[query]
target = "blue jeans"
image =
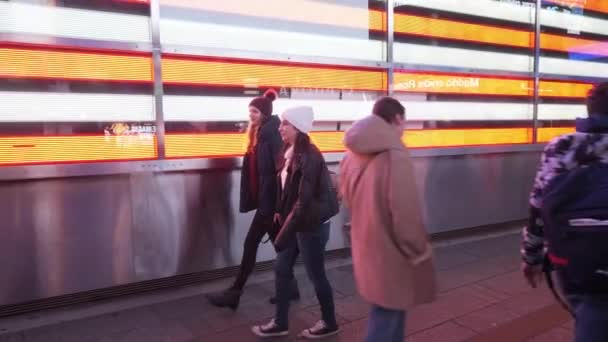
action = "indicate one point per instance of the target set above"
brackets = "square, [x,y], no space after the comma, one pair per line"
[591,318]
[385,325]
[312,246]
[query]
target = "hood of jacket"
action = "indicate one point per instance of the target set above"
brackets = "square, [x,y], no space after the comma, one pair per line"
[372,135]
[595,123]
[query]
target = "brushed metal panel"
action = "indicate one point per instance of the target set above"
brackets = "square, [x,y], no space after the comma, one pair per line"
[68,235]
[63,236]
[474,190]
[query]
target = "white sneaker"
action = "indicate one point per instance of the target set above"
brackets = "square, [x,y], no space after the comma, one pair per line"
[319,330]
[270,329]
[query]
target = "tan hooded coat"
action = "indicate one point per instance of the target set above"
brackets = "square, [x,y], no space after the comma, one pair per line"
[392,257]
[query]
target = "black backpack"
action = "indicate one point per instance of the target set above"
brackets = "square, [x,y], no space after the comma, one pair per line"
[575,215]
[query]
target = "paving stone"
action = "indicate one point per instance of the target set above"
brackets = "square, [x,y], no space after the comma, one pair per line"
[446,332]
[494,246]
[351,332]
[556,335]
[465,300]
[569,325]
[472,273]
[426,316]
[352,308]
[137,318]
[528,302]
[486,318]
[14,337]
[480,288]
[343,283]
[198,326]
[258,292]
[447,306]
[134,335]
[58,333]
[511,283]
[449,257]
[185,307]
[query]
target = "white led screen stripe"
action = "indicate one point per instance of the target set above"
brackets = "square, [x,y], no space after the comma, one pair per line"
[180,32]
[460,58]
[306,11]
[483,60]
[73,23]
[199,108]
[63,107]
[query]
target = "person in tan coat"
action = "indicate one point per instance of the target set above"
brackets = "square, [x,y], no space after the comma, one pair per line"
[392,257]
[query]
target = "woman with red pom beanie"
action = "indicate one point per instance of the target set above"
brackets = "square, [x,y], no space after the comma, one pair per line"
[258,191]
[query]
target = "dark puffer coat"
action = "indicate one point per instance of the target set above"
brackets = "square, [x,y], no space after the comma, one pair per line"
[258,182]
[308,198]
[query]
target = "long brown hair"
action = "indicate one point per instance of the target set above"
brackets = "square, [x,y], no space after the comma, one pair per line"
[252,136]
[300,146]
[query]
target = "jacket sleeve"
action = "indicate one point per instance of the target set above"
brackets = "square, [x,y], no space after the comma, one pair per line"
[268,153]
[406,229]
[303,205]
[335,185]
[533,242]
[342,181]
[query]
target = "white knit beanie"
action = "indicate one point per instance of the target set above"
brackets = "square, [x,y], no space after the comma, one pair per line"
[300,117]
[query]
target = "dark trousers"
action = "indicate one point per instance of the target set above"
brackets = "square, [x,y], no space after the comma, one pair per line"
[385,325]
[257,230]
[312,247]
[591,318]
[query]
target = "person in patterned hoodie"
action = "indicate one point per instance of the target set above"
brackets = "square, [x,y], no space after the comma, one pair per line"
[587,145]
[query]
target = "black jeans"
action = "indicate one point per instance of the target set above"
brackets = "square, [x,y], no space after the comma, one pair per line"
[257,230]
[312,246]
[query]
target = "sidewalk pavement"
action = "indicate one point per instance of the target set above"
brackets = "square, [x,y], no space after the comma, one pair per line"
[483,297]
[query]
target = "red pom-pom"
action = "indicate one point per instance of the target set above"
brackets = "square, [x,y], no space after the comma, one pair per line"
[271,94]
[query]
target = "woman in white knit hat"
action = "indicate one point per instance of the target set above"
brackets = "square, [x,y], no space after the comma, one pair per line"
[306,201]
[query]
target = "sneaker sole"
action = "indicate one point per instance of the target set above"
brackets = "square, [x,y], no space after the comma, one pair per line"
[307,335]
[256,331]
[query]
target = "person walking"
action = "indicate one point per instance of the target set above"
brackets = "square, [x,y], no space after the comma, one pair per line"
[306,200]
[258,192]
[392,257]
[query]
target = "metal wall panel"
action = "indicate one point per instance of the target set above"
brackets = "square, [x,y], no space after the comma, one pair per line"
[64,236]
[68,235]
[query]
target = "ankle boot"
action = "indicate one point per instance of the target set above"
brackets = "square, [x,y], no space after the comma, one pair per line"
[228,298]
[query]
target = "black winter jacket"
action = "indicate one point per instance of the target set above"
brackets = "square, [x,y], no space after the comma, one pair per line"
[258,183]
[308,199]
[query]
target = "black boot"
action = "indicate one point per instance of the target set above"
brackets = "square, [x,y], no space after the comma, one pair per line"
[228,298]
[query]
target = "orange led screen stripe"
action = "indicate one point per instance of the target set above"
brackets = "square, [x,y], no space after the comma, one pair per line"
[52,64]
[567,44]
[474,84]
[442,28]
[564,89]
[545,134]
[250,74]
[233,144]
[58,149]
[461,84]
[450,29]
